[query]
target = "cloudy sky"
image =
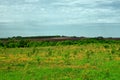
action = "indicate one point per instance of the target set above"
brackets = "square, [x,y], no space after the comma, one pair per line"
[37,13]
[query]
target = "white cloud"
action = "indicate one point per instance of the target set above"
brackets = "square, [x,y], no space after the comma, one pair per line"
[109,20]
[31,1]
[60,11]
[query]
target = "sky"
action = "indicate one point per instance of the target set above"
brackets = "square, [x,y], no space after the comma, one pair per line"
[59,17]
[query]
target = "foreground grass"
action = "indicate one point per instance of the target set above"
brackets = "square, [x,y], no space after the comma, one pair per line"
[84,62]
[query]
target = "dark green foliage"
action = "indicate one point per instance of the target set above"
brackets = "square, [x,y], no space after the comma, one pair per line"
[23,43]
[20,42]
[106,46]
[1,44]
[12,43]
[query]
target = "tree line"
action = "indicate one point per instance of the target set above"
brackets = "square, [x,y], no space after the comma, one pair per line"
[16,43]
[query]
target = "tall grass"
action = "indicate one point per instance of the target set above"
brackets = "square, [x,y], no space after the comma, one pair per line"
[75,62]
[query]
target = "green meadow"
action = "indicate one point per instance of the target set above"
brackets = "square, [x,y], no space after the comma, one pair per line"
[93,61]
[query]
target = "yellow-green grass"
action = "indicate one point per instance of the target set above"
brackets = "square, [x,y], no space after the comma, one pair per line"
[84,62]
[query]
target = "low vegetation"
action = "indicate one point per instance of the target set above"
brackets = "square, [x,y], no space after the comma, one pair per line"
[60,60]
[18,42]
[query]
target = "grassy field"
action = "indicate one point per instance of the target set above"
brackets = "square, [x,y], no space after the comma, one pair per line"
[75,62]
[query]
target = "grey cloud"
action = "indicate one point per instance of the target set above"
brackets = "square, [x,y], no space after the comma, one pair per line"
[113,4]
[48,11]
[110,4]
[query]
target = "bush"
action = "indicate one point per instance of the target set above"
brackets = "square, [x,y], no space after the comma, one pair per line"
[1,44]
